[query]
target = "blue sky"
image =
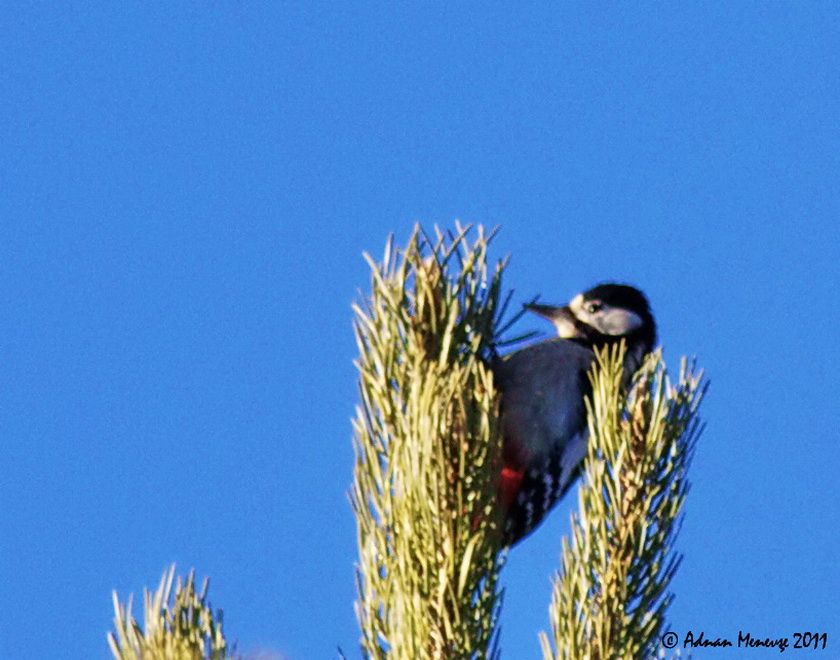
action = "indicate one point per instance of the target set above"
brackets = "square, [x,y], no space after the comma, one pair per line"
[185,194]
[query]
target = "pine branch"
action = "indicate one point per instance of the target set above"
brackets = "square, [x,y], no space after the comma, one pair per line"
[427,451]
[610,599]
[178,626]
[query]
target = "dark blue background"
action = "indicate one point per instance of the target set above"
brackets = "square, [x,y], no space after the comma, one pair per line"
[185,192]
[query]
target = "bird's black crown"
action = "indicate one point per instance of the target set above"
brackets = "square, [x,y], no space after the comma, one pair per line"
[620,295]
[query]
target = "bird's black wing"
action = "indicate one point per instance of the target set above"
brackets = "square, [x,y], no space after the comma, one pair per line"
[543,424]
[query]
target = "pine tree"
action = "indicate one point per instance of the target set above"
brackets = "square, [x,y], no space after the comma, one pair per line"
[428,452]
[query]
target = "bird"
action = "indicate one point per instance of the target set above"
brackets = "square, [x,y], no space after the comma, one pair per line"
[543,388]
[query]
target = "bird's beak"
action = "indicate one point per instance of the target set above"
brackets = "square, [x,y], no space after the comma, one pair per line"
[562,318]
[549,312]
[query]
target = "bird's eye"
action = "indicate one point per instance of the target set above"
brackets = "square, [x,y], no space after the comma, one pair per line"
[594,307]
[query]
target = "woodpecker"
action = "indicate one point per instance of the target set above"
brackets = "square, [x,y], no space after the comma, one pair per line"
[543,387]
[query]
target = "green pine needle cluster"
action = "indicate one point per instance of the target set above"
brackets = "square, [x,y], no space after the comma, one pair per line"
[428,450]
[428,454]
[609,600]
[178,625]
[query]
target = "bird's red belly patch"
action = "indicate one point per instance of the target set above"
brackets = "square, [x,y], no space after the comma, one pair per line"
[510,482]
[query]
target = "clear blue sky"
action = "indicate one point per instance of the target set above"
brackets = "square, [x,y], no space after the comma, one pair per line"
[185,193]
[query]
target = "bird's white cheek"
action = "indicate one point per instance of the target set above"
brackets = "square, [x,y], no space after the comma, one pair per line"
[620,322]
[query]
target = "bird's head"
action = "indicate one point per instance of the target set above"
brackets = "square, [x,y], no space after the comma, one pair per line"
[602,315]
